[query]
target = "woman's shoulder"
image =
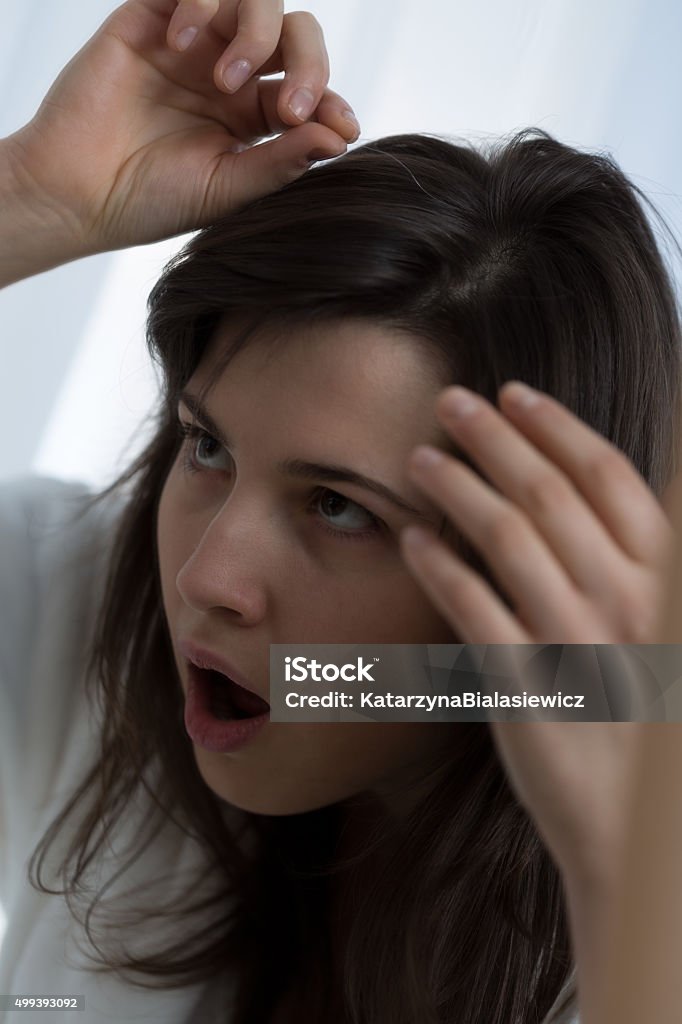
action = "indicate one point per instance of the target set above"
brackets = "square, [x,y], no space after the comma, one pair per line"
[54,545]
[53,548]
[43,519]
[33,501]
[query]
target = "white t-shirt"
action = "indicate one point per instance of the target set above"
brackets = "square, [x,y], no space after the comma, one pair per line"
[51,578]
[52,569]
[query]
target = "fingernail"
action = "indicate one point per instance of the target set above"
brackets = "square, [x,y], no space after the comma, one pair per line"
[301,103]
[424,457]
[185,38]
[349,116]
[521,394]
[236,74]
[460,402]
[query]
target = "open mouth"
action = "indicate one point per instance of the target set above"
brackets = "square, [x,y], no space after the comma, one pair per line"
[230,701]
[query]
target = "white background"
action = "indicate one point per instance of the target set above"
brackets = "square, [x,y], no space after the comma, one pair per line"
[598,74]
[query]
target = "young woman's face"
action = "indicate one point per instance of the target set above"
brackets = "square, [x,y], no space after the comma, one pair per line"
[251,555]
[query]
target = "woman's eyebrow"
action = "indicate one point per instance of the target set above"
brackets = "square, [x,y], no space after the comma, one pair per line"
[341,474]
[302,470]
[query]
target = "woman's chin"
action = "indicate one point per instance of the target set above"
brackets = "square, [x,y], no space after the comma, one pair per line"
[226,777]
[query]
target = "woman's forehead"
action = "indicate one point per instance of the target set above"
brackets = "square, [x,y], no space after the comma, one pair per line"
[348,358]
[332,386]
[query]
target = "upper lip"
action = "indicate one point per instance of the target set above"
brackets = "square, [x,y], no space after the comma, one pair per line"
[202,657]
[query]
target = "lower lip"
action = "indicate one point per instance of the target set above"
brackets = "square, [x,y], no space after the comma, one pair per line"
[215,734]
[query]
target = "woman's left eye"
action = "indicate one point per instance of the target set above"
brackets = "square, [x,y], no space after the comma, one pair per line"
[333,505]
[330,501]
[190,434]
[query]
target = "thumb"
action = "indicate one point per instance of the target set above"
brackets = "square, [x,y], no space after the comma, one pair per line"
[259,170]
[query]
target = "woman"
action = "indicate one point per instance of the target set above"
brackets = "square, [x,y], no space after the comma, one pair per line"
[338,872]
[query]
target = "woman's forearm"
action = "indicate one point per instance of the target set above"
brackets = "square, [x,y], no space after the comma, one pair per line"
[34,234]
[592,913]
[627,925]
[643,974]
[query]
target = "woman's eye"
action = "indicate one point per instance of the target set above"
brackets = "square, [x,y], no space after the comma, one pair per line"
[199,447]
[351,521]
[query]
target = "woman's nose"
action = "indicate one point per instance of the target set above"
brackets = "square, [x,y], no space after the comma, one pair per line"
[230,564]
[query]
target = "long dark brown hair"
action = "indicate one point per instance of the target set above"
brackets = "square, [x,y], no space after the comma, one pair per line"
[530,260]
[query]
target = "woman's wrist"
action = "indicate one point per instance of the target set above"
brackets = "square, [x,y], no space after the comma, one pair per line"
[36,234]
[591,896]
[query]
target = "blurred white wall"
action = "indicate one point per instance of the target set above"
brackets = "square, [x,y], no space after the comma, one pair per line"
[598,74]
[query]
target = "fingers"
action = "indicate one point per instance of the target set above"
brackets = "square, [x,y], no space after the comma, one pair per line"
[603,474]
[569,528]
[189,18]
[535,484]
[561,472]
[331,112]
[524,565]
[472,608]
[263,169]
[303,93]
[258,31]
[334,111]
[306,64]
[262,40]
[253,28]
[266,42]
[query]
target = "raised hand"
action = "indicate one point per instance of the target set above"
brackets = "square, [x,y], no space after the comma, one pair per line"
[572,533]
[141,137]
[578,543]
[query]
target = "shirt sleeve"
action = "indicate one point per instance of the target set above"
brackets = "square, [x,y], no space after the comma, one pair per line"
[565,1007]
[48,570]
